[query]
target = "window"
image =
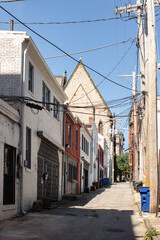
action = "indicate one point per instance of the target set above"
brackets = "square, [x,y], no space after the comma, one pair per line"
[72,172]
[69,134]
[100,128]
[56,109]
[28,148]
[85,145]
[45,97]
[30,78]
[76,139]
[82,141]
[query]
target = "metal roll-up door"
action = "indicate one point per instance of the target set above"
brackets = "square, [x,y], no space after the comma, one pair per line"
[48,171]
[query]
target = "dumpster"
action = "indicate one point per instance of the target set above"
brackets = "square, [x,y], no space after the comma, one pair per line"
[145,199]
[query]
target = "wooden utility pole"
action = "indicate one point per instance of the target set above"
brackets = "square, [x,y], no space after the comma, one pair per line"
[149,92]
[152,104]
[134,91]
[113,148]
[141,45]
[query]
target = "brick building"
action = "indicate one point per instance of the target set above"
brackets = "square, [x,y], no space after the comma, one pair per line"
[71,169]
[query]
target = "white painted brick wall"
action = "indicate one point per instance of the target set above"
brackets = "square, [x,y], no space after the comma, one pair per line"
[9,134]
[10,84]
[10,59]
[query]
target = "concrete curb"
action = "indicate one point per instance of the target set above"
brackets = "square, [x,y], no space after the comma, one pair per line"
[145,220]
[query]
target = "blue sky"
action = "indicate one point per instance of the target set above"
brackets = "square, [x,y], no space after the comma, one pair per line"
[83,36]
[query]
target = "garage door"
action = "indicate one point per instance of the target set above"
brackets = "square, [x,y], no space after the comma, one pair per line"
[48,171]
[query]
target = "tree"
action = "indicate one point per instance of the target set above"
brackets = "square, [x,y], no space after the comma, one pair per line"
[122,166]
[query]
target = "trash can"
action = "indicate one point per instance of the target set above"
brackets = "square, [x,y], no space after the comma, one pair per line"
[145,199]
[139,184]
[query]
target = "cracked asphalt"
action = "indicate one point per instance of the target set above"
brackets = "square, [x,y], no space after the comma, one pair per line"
[106,214]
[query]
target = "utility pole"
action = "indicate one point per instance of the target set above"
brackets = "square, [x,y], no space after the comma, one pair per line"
[113,149]
[143,91]
[114,146]
[152,104]
[134,91]
[151,159]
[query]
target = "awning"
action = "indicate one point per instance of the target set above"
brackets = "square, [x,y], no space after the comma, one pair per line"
[45,137]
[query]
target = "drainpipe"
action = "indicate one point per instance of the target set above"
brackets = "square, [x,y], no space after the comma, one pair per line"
[64,143]
[22,117]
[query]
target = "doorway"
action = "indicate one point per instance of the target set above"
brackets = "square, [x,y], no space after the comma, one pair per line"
[9,175]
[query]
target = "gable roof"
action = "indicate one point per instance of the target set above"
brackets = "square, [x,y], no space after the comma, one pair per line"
[81,63]
[86,95]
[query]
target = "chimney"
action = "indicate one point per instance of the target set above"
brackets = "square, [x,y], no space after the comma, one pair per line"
[11,25]
[65,78]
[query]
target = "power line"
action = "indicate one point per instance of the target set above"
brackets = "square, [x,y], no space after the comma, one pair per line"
[90,50]
[120,85]
[107,75]
[9,1]
[71,22]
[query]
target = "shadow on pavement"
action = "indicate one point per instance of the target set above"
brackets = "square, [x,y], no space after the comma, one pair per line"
[68,223]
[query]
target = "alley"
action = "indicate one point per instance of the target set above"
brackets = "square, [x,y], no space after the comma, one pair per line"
[107,213]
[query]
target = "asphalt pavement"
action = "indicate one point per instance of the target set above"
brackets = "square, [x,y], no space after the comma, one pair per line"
[104,214]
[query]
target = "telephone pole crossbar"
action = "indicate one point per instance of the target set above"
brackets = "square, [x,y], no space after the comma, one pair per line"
[133,8]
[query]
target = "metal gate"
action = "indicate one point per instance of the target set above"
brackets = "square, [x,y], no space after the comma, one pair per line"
[48,171]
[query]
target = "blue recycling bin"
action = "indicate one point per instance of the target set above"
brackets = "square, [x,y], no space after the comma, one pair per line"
[104,181]
[145,198]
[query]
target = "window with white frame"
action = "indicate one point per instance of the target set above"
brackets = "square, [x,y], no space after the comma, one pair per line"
[69,134]
[56,108]
[30,77]
[85,145]
[46,96]
[76,139]
[28,147]
[72,170]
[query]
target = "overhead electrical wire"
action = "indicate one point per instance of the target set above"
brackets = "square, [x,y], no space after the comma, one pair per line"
[9,1]
[28,100]
[90,50]
[107,75]
[45,39]
[71,22]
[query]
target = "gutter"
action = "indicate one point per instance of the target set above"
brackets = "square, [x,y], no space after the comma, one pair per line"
[22,117]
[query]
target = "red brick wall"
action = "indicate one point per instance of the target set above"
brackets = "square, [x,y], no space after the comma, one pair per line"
[71,150]
[100,154]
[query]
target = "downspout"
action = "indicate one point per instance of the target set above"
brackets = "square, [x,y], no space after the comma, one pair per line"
[63,159]
[22,117]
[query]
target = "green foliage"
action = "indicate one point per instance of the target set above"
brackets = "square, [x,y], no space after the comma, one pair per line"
[122,165]
[148,235]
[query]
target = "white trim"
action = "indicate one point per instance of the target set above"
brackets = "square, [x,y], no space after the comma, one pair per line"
[10,112]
